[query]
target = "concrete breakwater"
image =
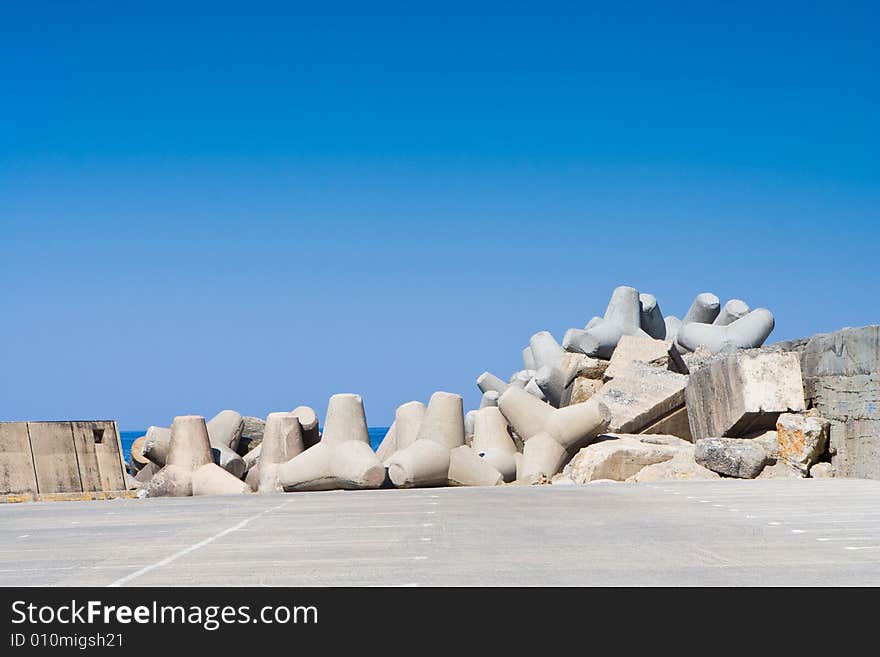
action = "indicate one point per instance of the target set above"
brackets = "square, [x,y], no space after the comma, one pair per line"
[632,396]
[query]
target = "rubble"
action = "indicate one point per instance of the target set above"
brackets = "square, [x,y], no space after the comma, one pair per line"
[802,439]
[733,457]
[742,393]
[640,396]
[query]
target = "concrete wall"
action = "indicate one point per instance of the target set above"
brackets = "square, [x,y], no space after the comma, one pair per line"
[60,457]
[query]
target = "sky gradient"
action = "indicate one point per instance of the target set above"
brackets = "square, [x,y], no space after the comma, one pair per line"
[258,205]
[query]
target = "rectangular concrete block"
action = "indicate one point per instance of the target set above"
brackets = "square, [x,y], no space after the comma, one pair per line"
[640,395]
[675,424]
[54,457]
[87,459]
[742,393]
[17,473]
[635,348]
[108,450]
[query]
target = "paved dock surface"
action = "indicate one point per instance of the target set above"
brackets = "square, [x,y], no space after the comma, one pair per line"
[782,532]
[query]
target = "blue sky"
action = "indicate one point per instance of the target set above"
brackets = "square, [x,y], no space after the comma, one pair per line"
[255,205]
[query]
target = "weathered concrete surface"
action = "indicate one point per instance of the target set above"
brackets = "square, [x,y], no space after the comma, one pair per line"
[726,532]
[54,457]
[16,461]
[674,424]
[622,456]
[640,396]
[733,457]
[636,348]
[801,439]
[743,393]
[582,389]
[842,381]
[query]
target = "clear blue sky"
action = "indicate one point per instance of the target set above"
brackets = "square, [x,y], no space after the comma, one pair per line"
[255,205]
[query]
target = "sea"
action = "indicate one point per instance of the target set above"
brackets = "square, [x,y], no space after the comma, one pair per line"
[128,437]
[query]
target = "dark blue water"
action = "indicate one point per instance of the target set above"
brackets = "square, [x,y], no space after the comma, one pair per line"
[128,437]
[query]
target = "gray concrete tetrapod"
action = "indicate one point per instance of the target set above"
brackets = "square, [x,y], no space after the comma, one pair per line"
[492,441]
[535,390]
[343,458]
[731,311]
[521,379]
[224,429]
[747,332]
[704,310]
[673,325]
[651,318]
[158,442]
[489,398]
[529,359]
[403,431]
[488,381]
[308,423]
[282,440]
[623,316]
[571,428]
[189,468]
[439,455]
[550,374]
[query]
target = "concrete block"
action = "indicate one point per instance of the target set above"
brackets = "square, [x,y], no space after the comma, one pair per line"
[108,451]
[641,395]
[675,424]
[582,389]
[443,421]
[733,457]
[634,348]
[16,460]
[842,382]
[54,455]
[801,439]
[622,457]
[528,359]
[535,390]
[581,365]
[550,376]
[704,309]
[345,420]
[743,393]
[87,458]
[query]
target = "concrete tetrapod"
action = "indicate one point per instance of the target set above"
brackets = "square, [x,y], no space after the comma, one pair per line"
[282,440]
[343,458]
[493,442]
[407,420]
[732,311]
[308,426]
[622,317]
[550,374]
[189,467]
[746,332]
[439,455]
[488,381]
[225,431]
[550,434]
[651,318]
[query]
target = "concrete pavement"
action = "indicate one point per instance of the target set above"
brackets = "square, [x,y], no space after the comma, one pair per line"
[730,532]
